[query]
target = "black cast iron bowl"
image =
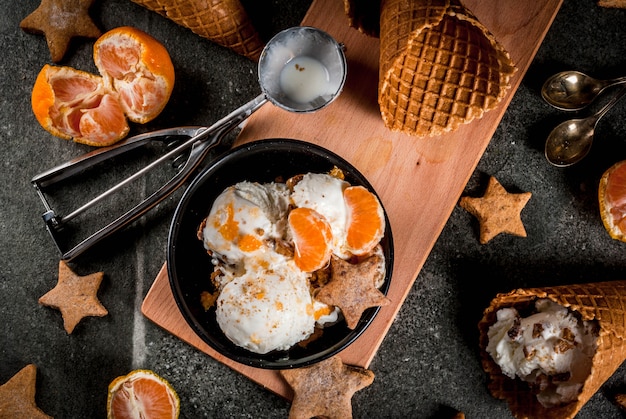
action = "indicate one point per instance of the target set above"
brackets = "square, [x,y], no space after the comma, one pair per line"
[189,266]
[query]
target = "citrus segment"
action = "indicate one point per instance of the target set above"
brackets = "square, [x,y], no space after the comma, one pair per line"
[312,239]
[142,394]
[139,68]
[612,200]
[73,104]
[365,220]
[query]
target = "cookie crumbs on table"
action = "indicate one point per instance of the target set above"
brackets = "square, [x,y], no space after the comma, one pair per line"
[17,396]
[60,21]
[325,389]
[498,211]
[75,296]
[351,288]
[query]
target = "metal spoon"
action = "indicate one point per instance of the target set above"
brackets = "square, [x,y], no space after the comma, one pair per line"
[571,140]
[573,90]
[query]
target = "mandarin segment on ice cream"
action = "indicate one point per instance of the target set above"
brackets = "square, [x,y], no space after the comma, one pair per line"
[324,194]
[265,302]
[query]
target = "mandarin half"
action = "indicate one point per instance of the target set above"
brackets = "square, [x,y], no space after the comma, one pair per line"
[135,83]
[612,200]
[142,394]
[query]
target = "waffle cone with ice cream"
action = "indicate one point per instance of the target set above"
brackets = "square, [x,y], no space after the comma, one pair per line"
[439,66]
[224,22]
[604,302]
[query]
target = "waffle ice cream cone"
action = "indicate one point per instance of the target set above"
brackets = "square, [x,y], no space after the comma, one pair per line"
[604,302]
[439,67]
[224,22]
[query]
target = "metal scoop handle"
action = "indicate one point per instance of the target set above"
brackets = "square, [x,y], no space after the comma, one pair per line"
[202,140]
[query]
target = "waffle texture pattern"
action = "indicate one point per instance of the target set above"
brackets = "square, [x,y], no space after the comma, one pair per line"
[224,22]
[439,67]
[604,302]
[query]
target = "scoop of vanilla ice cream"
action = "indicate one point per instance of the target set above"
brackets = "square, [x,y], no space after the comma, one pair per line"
[243,218]
[266,311]
[551,349]
[324,194]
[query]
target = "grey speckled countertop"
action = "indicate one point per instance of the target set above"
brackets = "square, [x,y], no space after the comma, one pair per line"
[428,365]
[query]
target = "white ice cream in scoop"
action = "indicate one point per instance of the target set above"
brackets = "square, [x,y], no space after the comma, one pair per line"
[266,311]
[551,349]
[244,218]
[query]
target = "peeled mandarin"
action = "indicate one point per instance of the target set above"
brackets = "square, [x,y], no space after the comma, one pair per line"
[142,394]
[135,83]
[612,200]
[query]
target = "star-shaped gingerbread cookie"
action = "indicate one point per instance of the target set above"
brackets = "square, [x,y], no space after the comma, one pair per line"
[17,396]
[351,288]
[60,21]
[325,389]
[498,211]
[75,296]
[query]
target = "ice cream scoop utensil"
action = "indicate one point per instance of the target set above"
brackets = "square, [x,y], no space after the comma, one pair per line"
[571,140]
[573,90]
[315,45]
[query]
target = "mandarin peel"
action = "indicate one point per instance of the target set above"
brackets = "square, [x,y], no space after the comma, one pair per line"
[135,83]
[134,63]
[612,200]
[142,394]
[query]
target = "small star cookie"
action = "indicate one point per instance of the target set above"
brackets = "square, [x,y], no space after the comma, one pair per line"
[75,296]
[60,21]
[17,396]
[352,287]
[498,211]
[325,389]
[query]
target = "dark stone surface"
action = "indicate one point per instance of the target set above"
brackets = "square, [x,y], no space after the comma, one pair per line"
[428,365]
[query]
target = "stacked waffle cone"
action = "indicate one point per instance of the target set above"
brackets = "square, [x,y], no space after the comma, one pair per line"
[604,302]
[224,22]
[439,67]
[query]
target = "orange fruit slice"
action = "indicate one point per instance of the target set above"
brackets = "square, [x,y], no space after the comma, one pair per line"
[142,394]
[612,200]
[135,82]
[365,220]
[312,237]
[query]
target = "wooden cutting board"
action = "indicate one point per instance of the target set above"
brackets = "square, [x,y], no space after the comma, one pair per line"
[419,180]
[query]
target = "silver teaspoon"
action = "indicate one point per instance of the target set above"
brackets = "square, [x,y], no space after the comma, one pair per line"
[573,90]
[571,140]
